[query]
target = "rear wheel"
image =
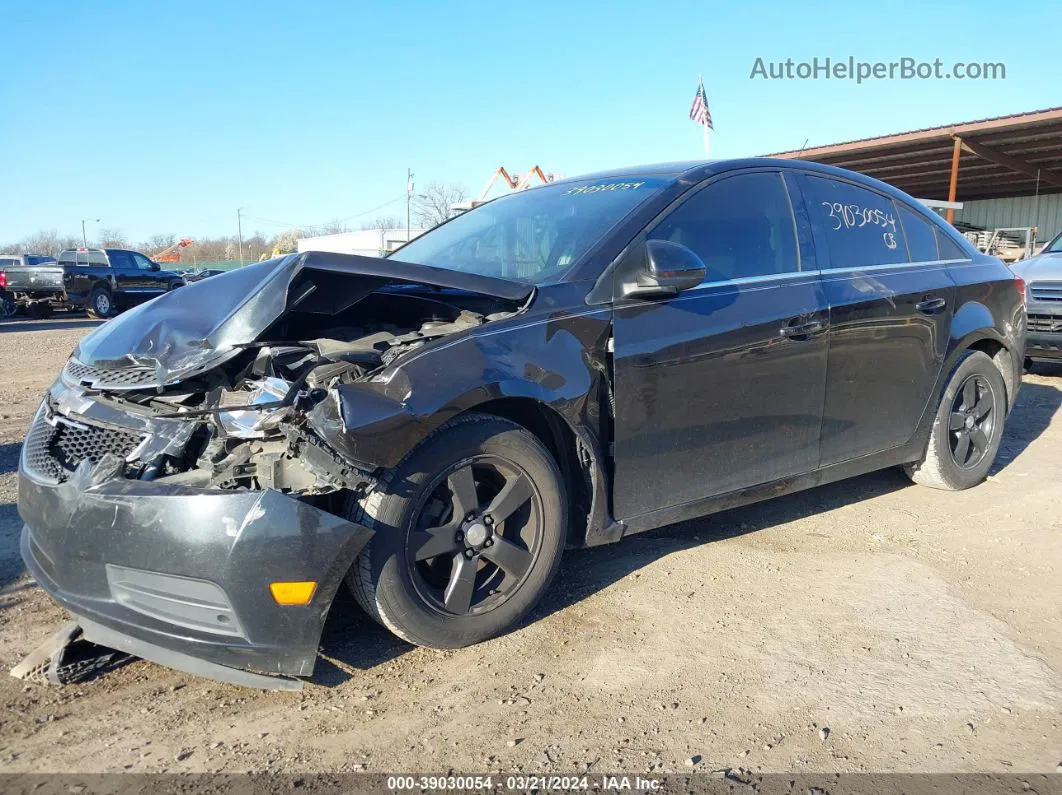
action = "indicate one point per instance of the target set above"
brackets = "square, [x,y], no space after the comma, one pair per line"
[469,533]
[968,427]
[100,304]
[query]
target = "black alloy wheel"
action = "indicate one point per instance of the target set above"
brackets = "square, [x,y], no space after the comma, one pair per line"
[476,536]
[973,415]
[468,533]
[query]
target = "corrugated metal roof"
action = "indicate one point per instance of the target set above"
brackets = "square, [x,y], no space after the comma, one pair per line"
[1010,151]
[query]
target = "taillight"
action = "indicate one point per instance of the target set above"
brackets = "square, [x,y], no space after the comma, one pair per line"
[3,280]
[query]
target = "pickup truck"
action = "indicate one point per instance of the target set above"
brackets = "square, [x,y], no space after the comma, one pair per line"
[8,305]
[102,280]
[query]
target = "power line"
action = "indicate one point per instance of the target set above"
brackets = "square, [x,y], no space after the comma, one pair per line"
[291,225]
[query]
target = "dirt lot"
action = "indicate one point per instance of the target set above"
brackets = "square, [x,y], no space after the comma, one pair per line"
[870,625]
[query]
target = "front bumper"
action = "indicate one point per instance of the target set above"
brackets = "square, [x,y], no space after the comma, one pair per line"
[1043,335]
[181,575]
[1041,345]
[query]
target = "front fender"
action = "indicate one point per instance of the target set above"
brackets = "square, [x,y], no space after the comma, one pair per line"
[558,360]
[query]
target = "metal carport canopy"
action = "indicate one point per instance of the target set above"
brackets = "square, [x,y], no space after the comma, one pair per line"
[1015,155]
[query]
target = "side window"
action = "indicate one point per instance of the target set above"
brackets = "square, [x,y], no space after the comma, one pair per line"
[68,258]
[739,226]
[142,262]
[122,261]
[921,237]
[949,249]
[860,225]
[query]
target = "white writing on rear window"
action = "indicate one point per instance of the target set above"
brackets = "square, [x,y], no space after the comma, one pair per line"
[852,216]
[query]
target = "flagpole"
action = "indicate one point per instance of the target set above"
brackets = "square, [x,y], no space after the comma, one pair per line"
[706,142]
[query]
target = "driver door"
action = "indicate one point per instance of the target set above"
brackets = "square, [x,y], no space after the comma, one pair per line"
[721,387]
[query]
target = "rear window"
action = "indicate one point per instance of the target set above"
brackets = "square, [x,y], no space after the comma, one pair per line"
[82,258]
[8,262]
[39,260]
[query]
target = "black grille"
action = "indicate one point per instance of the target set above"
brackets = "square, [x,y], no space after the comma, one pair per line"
[35,451]
[1050,324]
[118,378]
[1046,291]
[54,452]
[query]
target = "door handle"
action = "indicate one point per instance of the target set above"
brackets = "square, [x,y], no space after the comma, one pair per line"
[802,330]
[931,305]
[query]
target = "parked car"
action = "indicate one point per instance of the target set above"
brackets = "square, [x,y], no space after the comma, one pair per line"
[560,367]
[196,275]
[102,280]
[1043,280]
[8,304]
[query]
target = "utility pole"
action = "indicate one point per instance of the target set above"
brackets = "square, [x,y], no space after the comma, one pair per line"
[409,196]
[84,237]
[239,231]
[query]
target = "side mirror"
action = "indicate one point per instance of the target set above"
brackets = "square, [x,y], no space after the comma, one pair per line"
[669,269]
[155,266]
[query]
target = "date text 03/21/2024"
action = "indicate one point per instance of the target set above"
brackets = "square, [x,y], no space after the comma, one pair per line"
[523,783]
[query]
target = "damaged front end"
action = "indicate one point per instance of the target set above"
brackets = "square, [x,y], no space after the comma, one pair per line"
[193,454]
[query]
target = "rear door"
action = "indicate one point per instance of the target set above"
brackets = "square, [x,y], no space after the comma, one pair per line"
[891,301]
[721,387]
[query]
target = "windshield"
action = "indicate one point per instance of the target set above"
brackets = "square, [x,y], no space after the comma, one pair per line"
[533,236]
[1054,247]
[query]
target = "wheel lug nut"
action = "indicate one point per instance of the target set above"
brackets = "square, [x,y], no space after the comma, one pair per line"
[470,517]
[469,553]
[489,542]
[460,536]
[488,519]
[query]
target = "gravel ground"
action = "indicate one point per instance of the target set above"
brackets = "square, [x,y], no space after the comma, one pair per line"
[870,625]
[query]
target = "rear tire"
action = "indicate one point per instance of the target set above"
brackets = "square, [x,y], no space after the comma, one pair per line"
[967,429]
[100,304]
[429,573]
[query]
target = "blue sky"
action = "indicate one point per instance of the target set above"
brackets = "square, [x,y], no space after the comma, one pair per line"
[166,117]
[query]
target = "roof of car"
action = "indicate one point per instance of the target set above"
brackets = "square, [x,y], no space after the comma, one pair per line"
[696,170]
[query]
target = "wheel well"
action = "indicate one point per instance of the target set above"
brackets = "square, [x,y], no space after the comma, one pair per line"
[553,431]
[1002,358]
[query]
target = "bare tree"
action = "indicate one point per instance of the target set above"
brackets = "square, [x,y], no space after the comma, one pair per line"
[157,243]
[288,240]
[112,238]
[385,222]
[46,241]
[331,228]
[435,204]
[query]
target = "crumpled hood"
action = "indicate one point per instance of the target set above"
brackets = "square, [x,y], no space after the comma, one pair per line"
[187,331]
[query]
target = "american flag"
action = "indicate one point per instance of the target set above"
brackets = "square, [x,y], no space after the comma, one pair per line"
[699,110]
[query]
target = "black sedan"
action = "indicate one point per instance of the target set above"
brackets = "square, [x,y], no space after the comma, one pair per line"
[561,367]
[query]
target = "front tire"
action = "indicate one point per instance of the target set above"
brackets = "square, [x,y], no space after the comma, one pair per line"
[968,427]
[469,532]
